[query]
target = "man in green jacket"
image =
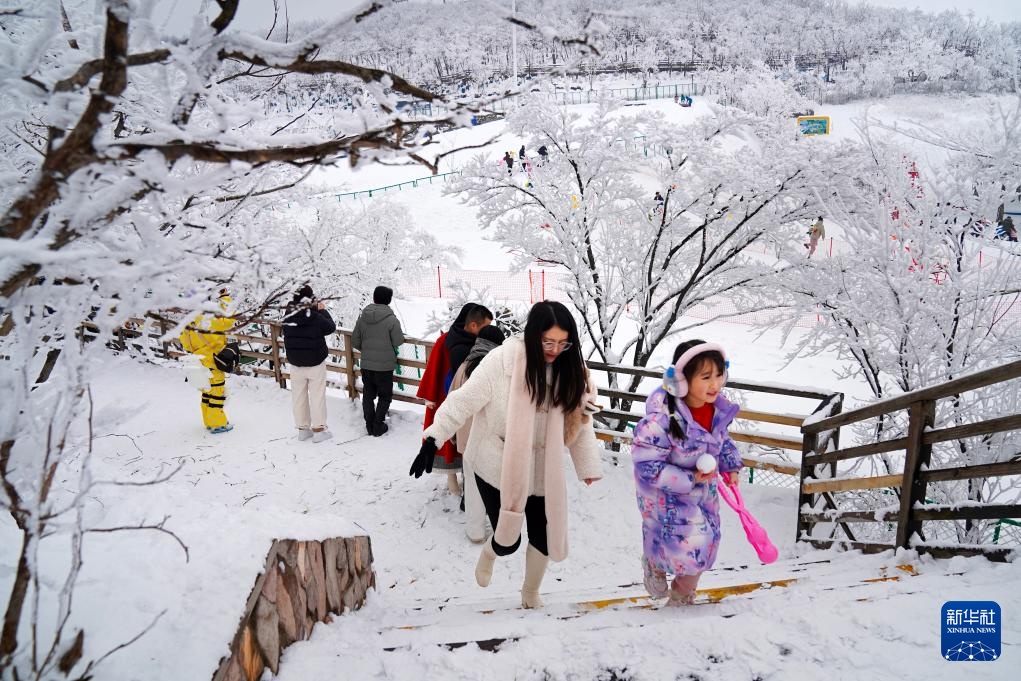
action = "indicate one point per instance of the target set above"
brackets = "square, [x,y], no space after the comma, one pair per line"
[377,335]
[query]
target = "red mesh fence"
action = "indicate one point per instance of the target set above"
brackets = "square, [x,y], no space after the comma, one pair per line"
[541,284]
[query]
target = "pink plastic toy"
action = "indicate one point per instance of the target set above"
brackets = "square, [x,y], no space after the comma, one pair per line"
[756,534]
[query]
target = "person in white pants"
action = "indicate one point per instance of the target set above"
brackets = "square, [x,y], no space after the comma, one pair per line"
[308,399]
[306,327]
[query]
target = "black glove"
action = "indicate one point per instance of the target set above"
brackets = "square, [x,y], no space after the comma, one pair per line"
[423,463]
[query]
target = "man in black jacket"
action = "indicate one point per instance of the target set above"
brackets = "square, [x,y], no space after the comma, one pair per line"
[377,335]
[305,330]
[461,337]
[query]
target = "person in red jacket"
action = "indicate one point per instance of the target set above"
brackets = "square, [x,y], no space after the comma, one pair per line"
[433,389]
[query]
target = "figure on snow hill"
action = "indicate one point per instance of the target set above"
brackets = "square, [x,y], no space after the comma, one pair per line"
[1007,230]
[509,161]
[543,154]
[521,152]
[530,399]
[377,336]
[306,327]
[489,338]
[816,232]
[685,423]
[206,336]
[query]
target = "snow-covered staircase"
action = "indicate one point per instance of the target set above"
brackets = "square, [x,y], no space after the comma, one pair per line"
[489,623]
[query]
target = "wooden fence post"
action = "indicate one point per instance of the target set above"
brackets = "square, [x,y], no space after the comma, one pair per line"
[349,366]
[809,443]
[838,404]
[163,342]
[922,415]
[274,342]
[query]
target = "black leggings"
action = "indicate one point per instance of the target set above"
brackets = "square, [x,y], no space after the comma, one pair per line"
[535,519]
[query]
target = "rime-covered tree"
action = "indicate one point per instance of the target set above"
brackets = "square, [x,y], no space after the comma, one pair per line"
[136,169]
[730,184]
[924,292]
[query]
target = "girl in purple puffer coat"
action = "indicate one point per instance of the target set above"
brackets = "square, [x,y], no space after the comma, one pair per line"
[684,419]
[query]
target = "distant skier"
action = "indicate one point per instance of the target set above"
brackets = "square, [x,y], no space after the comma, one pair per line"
[1006,229]
[816,232]
[543,154]
[509,161]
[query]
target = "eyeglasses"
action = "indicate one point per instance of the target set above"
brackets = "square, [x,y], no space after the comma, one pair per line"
[556,346]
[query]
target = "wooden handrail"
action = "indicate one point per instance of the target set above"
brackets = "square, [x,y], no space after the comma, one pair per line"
[857,452]
[735,384]
[347,357]
[979,379]
[985,470]
[845,484]
[912,512]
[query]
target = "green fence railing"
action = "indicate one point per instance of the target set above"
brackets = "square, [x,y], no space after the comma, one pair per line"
[400,186]
[999,526]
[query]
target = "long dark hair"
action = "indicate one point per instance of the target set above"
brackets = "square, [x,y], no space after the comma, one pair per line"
[568,387]
[693,365]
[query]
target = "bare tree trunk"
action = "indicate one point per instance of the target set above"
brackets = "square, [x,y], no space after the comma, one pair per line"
[12,616]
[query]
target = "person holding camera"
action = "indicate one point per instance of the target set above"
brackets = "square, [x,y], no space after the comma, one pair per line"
[306,327]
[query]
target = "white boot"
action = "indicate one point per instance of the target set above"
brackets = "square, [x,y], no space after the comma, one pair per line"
[475,523]
[535,570]
[484,568]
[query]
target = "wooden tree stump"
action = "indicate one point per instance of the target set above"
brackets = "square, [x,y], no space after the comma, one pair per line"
[303,582]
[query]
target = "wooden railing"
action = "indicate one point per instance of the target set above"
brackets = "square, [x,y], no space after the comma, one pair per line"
[616,423]
[819,483]
[265,349]
[818,438]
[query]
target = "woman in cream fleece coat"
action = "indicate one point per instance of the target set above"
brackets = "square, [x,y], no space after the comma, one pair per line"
[531,401]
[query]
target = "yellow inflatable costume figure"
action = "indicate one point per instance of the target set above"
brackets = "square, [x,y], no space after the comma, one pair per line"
[206,336]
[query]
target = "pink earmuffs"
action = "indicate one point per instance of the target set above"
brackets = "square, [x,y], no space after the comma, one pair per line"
[673,378]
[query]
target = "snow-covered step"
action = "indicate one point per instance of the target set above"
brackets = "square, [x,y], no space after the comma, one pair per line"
[489,627]
[490,622]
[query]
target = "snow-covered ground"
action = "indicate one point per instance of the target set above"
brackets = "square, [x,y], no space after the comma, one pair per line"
[235,493]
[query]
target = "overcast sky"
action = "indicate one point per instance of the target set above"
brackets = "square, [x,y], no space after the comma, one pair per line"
[997,10]
[258,14]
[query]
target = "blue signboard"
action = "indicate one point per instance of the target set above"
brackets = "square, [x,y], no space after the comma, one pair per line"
[814,125]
